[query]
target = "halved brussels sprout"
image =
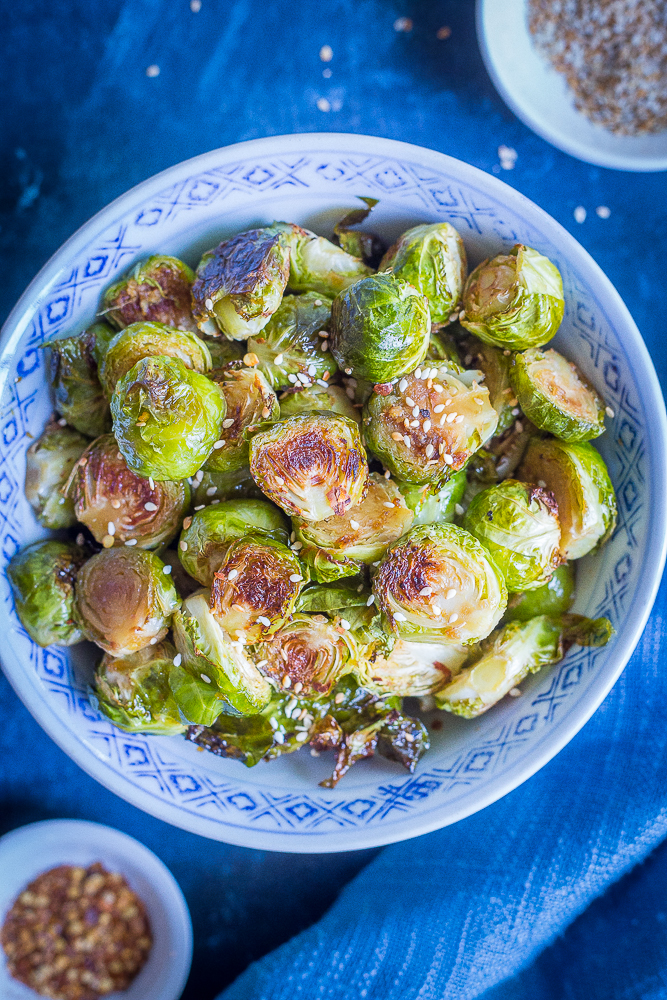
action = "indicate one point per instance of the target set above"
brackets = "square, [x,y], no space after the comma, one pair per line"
[495,366]
[311,465]
[429,424]
[316,265]
[339,546]
[578,478]
[553,393]
[410,669]
[211,487]
[240,284]
[157,290]
[223,671]
[119,507]
[433,506]
[255,589]
[552,598]
[317,398]
[518,524]
[42,579]
[364,245]
[514,300]
[124,600]
[250,400]
[133,691]
[290,350]
[380,328]
[148,340]
[307,656]
[77,392]
[166,418]
[203,543]
[439,584]
[48,464]
[433,259]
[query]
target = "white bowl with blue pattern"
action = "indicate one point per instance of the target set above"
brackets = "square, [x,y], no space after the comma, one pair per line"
[312,180]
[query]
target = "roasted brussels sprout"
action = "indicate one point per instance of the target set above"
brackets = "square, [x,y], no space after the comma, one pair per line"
[316,265]
[133,691]
[42,579]
[307,656]
[518,524]
[157,290]
[240,284]
[291,352]
[495,365]
[410,669]
[433,259]
[166,418]
[439,584]
[250,400]
[317,398]
[221,670]
[119,507]
[210,487]
[429,424]
[514,300]
[552,598]
[578,478]
[364,245]
[77,392]
[205,539]
[553,393]
[255,588]
[431,506]
[380,328]
[223,351]
[124,600]
[147,340]
[311,465]
[340,545]
[49,462]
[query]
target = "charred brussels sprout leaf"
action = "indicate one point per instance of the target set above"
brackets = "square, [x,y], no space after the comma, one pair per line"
[578,478]
[380,328]
[426,428]
[307,655]
[42,578]
[518,524]
[313,466]
[133,691]
[204,542]
[316,265]
[317,398]
[432,505]
[49,462]
[157,290]
[250,400]
[552,598]
[514,300]
[240,284]
[340,545]
[290,348]
[433,259]
[409,669]
[439,584]
[124,600]
[366,246]
[553,394]
[166,418]
[211,487]
[118,506]
[77,392]
[146,340]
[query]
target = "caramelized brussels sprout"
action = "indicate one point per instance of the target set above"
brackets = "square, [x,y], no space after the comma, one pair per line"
[204,541]
[364,245]
[439,584]
[518,524]
[124,600]
[429,424]
[311,465]
[410,669]
[316,265]
[77,393]
[553,393]
[514,300]
[250,400]
[307,655]
[317,398]
[49,462]
[432,506]
[495,365]
[211,487]
[222,671]
[380,328]
[157,290]
[578,478]
[433,259]
[148,340]
[133,691]
[290,348]
[119,507]
[240,284]
[256,587]
[553,598]
[42,579]
[340,545]
[166,418]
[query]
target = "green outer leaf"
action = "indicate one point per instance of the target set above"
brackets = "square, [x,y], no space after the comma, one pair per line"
[545,411]
[77,392]
[156,290]
[199,702]
[433,259]
[433,505]
[144,340]
[292,335]
[320,598]
[133,691]
[317,265]
[317,399]
[49,462]
[42,579]
[552,598]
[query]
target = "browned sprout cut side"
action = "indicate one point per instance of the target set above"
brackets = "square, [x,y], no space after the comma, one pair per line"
[307,655]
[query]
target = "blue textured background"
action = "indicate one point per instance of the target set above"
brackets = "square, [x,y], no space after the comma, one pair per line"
[431,919]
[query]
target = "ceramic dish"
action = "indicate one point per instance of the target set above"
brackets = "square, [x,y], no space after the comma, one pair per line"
[312,180]
[27,852]
[540,97]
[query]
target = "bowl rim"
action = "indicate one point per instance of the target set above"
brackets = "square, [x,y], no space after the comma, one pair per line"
[642,601]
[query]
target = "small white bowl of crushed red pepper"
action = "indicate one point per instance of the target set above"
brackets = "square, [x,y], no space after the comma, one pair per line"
[88,912]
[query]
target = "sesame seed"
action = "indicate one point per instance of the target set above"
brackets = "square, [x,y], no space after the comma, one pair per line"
[439,408]
[453,618]
[348,371]
[418,373]
[340,697]
[608,410]
[402,386]
[228,422]
[406,440]
[211,491]
[360,588]
[409,401]
[153,641]
[62,422]
[436,610]
[516,411]
[324,347]
[115,504]
[149,505]
[287,681]
[166,570]
[320,381]
[603,212]
[387,474]
[291,378]
[263,620]
[177,660]
[429,450]
[266,412]
[426,592]
[326,53]
[263,663]
[354,525]
[541,483]
[344,623]
[218,445]
[299,687]
[427,425]
[399,617]
[295,578]
[278,360]
[152,70]
[107,541]
[414,423]
[279,738]
[326,376]
[195,6]
[302,737]
[388,504]
[433,373]
[317,302]
[111,528]
[183,546]
[448,402]
[205,678]
[232,574]
[448,460]
[460,418]
[312,370]
[280,481]
[240,636]
[451,417]
[323,104]
[579,214]
[441,447]
[209,304]
[514,693]
[450,593]
[131,542]
[297,546]
[438,388]
[459,509]
[371,600]
[303,379]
